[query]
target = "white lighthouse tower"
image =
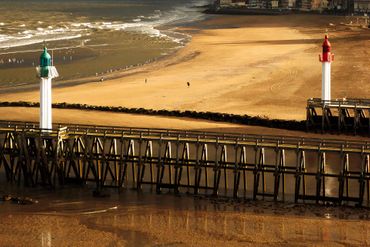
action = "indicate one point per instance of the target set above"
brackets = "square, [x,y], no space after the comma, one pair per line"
[326,58]
[46,71]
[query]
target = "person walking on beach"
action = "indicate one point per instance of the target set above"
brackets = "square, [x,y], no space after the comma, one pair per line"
[188,83]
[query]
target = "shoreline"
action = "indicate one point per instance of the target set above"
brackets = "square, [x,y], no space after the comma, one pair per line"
[168,39]
[154,49]
[133,69]
[116,73]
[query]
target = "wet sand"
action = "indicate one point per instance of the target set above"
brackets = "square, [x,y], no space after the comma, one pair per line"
[163,227]
[72,217]
[80,61]
[86,38]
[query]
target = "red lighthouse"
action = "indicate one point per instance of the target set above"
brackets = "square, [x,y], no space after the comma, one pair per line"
[326,58]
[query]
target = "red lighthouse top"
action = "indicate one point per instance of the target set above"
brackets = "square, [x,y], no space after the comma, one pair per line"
[326,51]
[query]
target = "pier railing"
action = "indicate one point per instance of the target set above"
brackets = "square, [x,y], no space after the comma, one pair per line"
[235,165]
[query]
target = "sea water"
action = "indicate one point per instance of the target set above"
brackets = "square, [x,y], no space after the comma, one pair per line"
[89,37]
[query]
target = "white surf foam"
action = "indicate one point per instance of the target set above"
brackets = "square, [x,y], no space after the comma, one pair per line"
[151,25]
[11,41]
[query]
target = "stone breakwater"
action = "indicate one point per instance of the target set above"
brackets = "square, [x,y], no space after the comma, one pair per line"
[212,116]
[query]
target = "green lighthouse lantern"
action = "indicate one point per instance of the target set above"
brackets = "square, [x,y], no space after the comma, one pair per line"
[45,63]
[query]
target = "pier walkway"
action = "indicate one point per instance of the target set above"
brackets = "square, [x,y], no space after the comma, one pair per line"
[235,165]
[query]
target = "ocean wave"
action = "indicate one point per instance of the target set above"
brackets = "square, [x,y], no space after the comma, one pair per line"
[200,3]
[8,42]
[40,34]
[151,25]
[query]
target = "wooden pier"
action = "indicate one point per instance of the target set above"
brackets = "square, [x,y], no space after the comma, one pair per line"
[235,165]
[341,115]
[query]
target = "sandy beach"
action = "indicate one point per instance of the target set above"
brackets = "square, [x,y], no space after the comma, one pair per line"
[244,65]
[165,227]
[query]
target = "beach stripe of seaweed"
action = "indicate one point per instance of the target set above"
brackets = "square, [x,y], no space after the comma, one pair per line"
[212,116]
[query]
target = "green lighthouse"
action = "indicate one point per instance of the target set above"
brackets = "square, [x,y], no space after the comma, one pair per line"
[46,72]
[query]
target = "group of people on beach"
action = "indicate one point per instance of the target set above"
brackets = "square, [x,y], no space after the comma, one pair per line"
[11,61]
